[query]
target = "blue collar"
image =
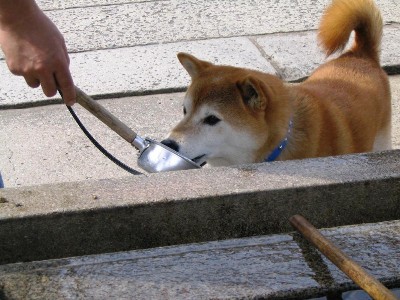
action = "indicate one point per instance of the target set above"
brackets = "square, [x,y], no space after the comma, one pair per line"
[278,150]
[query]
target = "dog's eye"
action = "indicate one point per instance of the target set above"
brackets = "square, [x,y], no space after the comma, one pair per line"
[184,110]
[211,120]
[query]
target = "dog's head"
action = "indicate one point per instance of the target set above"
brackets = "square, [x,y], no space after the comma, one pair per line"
[225,114]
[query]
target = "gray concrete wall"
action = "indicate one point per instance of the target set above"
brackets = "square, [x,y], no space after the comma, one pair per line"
[89,217]
[275,267]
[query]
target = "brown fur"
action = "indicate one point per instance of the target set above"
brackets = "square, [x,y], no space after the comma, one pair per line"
[339,109]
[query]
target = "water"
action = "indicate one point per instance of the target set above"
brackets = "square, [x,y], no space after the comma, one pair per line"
[359,295]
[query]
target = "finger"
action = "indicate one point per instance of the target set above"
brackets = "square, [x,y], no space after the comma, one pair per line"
[49,85]
[32,81]
[66,86]
[66,54]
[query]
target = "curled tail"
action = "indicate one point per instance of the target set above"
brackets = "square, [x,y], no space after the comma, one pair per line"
[344,16]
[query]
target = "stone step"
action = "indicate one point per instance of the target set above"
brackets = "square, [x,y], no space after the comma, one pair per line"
[281,266]
[136,212]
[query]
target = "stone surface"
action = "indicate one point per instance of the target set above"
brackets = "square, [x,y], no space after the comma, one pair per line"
[44,145]
[395,112]
[161,209]
[273,267]
[296,55]
[48,5]
[151,22]
[137,70]
[129,48]
[114,24]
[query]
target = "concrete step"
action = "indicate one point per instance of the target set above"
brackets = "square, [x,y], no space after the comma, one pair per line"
[127,48]
[136,212]
[281,266]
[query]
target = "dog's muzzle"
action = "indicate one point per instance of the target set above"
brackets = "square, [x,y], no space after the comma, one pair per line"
[175,146]
[171,144]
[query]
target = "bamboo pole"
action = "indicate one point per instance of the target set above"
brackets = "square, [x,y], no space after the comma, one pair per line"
[354,271]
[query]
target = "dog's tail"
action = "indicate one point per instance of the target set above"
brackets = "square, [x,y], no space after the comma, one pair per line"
[344,16]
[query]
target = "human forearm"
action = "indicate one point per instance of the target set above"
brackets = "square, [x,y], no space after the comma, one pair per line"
[13,12]
[34,48]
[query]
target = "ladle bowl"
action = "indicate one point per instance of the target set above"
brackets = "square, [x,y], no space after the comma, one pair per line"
[153,157]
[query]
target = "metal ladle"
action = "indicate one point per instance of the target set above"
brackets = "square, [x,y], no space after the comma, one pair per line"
[153,157]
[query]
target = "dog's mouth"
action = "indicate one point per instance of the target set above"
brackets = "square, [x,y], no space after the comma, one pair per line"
[200,160]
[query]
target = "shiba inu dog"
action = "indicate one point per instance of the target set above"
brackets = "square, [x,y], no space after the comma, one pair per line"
[236,115]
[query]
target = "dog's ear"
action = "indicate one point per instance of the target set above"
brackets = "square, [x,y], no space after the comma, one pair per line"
[192,65]
[254,92]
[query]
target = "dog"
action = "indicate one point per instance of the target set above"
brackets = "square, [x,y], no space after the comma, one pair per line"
[236,115]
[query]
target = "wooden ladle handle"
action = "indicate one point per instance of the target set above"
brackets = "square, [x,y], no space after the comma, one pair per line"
[104,115]
[359,275]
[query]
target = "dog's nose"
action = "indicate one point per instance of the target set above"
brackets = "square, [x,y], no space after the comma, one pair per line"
[171,143]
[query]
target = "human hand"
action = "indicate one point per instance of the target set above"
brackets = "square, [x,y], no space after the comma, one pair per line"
[35,49]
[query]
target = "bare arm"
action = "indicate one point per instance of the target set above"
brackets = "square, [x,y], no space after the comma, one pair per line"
[34,48]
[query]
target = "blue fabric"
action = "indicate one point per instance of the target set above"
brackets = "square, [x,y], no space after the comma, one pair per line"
[1,182]
[278,150]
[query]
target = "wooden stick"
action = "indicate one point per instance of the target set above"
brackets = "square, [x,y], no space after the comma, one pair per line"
[105,116]
[354,271]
